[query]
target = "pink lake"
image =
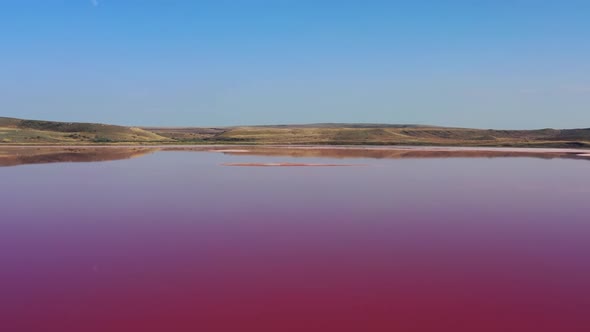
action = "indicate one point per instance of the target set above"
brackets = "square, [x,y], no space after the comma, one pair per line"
[175,241]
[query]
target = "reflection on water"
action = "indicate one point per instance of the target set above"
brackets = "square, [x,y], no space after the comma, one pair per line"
[13,156]
[22,155]
[406,152]
[174,242]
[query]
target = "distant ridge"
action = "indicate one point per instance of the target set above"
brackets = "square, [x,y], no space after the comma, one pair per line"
[19,131]
[344,125]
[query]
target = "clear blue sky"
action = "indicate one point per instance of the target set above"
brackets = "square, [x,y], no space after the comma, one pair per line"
[495,63]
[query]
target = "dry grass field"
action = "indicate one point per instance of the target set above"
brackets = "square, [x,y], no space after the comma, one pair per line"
[32,132]
[18,131]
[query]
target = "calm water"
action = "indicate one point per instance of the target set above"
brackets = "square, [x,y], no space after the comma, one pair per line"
[173,241]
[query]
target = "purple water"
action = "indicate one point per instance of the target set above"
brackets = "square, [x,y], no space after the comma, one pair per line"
[173,241]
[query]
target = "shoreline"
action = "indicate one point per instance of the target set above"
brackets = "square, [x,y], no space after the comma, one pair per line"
[247,148]
[34,154]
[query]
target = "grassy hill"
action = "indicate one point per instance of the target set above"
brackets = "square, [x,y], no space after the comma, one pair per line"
[17,131]
[352,134]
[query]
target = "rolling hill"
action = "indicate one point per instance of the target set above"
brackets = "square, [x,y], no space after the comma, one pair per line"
[17,131]
[379,134]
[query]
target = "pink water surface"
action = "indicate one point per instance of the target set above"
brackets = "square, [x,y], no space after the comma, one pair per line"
[176,242]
